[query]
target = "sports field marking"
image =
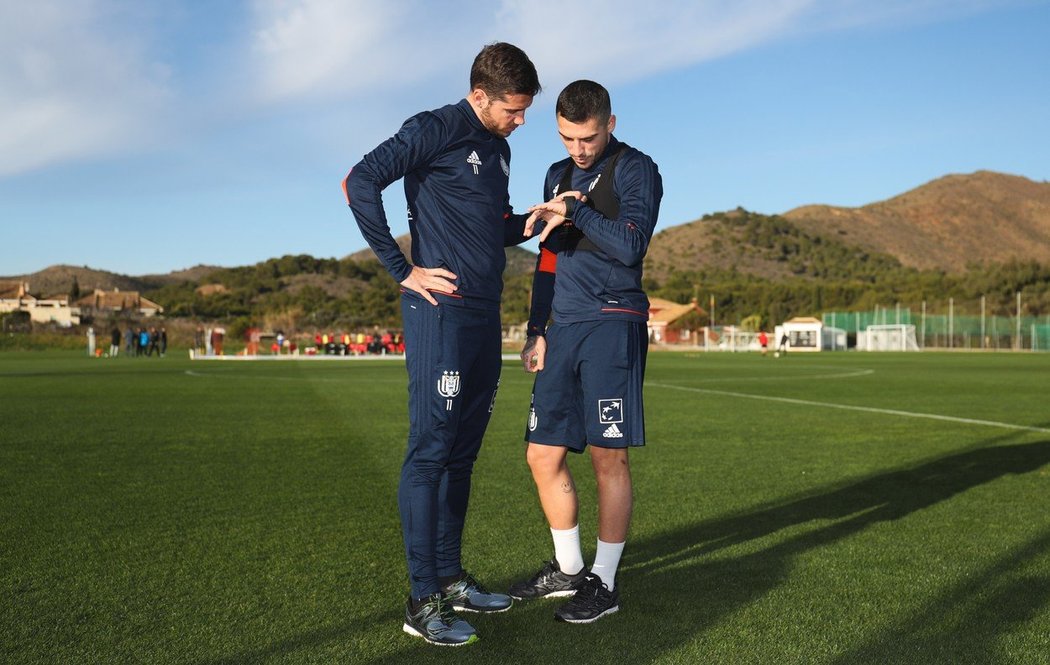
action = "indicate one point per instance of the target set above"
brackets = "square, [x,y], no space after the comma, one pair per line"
[308,379]
[297,358]
[341,379]
[845,373]
[315,358]
[851,407]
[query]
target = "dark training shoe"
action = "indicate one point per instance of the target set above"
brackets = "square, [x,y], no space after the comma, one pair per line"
[437,623]
[549,582]
[592,601]
[467,595]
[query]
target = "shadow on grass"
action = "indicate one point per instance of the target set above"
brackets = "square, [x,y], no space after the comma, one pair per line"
[676,564]
[967,623]
[676,587]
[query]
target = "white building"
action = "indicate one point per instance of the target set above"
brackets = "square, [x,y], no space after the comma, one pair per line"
[15,297]
[806,333]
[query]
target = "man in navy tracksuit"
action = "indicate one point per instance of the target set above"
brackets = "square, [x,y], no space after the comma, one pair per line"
[590,363]
[455,161]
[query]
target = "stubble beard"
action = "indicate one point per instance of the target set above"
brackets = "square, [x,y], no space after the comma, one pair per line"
[492,126]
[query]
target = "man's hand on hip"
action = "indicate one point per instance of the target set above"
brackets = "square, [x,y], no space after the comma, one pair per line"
[425,280]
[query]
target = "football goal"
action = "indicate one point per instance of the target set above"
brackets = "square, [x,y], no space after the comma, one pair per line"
[889,337]
[732,339]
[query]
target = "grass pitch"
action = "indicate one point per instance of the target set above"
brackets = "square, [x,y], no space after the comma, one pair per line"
[831,508]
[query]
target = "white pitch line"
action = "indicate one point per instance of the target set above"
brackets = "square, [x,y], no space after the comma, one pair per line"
[850,407]
[263,377]
[316,358]
[793,377]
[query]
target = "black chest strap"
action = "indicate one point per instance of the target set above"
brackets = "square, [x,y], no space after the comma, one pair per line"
[601,197]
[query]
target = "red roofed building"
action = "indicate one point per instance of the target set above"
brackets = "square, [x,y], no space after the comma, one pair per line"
[116,301]
[666,321]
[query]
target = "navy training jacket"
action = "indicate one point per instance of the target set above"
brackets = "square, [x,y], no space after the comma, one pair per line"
[599,276]
[456,175]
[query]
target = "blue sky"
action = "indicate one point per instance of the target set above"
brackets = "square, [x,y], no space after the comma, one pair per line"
[146,137]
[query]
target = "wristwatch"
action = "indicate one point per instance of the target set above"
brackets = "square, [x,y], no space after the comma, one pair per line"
[570,206]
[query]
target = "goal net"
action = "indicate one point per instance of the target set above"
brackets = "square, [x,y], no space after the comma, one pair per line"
[732,339]
[889,337]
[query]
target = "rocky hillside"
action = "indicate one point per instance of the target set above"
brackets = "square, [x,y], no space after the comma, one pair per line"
[764,246]
[946,224]
[58,279]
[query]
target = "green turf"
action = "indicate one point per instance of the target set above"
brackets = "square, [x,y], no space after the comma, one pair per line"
[168,511]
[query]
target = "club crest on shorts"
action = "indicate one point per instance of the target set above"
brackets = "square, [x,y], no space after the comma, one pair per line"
[448,384]
[533,420]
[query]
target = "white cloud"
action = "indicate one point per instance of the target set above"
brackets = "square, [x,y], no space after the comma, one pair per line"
[624,40]
[339,48]
[335,48]
[80,78]
[71,87]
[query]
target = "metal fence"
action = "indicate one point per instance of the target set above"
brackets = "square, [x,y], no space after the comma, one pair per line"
[945,329]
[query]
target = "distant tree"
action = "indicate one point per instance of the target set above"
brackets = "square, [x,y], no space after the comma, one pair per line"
[751,323]
[74,290]
[823,274]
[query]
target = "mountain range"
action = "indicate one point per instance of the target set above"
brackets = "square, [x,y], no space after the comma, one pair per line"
[984,217]
[948,224]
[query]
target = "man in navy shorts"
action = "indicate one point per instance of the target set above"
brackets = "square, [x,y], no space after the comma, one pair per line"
[590,363]
[455,162]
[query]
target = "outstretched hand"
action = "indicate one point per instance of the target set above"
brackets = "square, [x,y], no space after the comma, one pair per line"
[425,280]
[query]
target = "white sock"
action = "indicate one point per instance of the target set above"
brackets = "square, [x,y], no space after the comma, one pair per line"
[606,561]
[567,549]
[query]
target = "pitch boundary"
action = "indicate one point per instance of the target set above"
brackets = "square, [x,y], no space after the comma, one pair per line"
[315,358]
[852,407]
[848,373]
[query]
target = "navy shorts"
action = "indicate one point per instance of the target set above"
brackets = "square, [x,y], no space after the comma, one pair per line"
[590,388]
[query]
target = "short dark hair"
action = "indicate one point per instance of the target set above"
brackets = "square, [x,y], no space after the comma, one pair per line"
[582,100]
[503,69]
